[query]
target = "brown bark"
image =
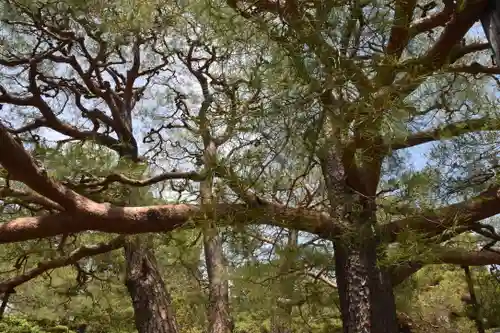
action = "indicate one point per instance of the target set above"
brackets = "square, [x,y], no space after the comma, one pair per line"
[160,218]
[478,320]
[129,220]
[150,298]
[219,317]
[366,297]
[449,130]
[434,222]
[5,301]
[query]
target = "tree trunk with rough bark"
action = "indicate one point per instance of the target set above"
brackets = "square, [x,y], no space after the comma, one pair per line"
[153,312]
[365,290]
[151,301]
[366,295]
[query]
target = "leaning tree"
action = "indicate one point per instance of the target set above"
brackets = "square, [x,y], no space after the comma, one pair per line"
[302,115]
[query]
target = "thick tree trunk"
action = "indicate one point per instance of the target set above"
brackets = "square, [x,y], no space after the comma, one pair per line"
[365,290]
[150,298]
[491,26]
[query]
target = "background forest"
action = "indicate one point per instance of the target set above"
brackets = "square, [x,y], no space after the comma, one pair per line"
[248,166]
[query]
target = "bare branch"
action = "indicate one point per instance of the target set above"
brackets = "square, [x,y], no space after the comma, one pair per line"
[460,52]
[398,40]
[455,29]
[119,178]
[319,276]
[35,198]
[434,21]
[446,256]
[465,257]
[474,68]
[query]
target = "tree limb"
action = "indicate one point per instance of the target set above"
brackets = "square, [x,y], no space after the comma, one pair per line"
[454,30]
[474,68]
[35,198]
[433,21]
[398,40]
[162,218]
[448,131]
[445,256]
[119,178]
[73,257]
[432,223]
[21,165]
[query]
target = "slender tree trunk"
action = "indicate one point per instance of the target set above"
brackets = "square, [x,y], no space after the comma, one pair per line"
[150,298]
[218,310]
[478,319]
[219,317]
[281,321]
[5,302]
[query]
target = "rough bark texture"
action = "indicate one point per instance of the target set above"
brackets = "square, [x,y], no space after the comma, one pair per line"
[365,291]
[151,301]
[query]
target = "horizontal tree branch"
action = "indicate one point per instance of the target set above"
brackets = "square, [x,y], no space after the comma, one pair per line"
[35,198]
[119,178]
[474,68]
[448,131]
[434,222]
[319,276]
[461,51]
[73,257]
[163,218]
[446,256]
[465,257]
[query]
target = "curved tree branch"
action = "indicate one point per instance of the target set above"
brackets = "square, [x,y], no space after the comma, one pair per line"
[462,214]
[21,165]
[73,257]
[448,131]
